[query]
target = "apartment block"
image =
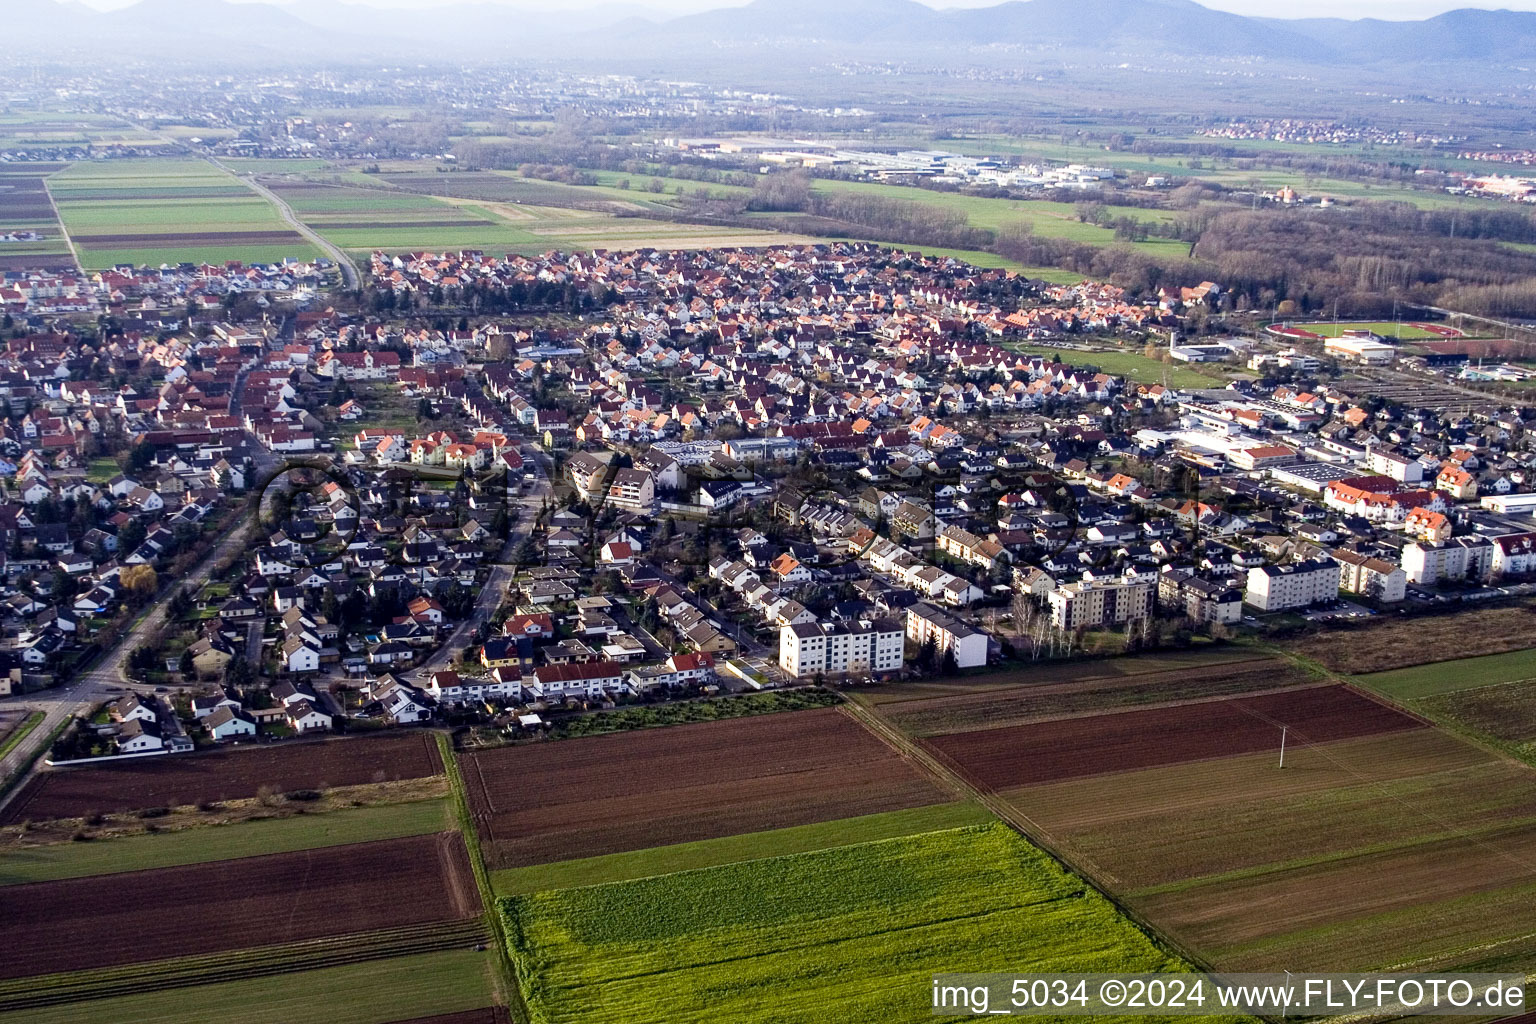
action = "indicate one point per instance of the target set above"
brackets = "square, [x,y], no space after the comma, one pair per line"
[867,647]
[1371,577]
[1276,587]
[1201,599]
[1459,558]
[1092,603]
[949,635]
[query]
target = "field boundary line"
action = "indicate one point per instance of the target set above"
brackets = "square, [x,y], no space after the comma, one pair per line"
[74,253]
[489,904]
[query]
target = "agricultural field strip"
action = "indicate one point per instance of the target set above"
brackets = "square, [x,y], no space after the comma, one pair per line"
[1324,751]
[820,924]
[221,775]
[140,201]
[1441,677]
[1503,714]
[1003,707]
[707,853]
[1117,741]
[286,896]
[411,986]
[235,964]
[1518,865]
[718,778]
[217,842]
[1178,844]
[1222,914]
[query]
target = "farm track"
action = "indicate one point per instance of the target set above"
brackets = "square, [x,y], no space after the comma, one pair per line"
[239,965]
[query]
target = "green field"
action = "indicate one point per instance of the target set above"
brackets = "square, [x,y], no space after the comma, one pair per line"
[1130,365]
[1385,328]
[224,842]
[1449,676]
[362,220]
[365,993]
[850,934]
[141,211]
[709,853]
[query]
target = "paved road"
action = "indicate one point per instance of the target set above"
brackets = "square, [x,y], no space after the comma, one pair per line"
[349,275]
[495,588]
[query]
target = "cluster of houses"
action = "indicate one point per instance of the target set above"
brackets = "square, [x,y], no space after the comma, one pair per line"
[204,286]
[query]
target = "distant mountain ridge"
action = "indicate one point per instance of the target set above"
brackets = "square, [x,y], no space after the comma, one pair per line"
[1177,27]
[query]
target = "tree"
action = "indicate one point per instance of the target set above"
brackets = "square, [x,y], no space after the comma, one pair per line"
[187,666]
[140,582]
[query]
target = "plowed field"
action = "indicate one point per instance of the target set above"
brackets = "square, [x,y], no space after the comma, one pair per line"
[583,797]
[177,780]
[110,920]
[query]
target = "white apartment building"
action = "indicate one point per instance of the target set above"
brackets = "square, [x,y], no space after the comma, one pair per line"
[1201,599]
[1275,587]
[847,648]
[633,489]
[1106,602]
[1459,558]
[949,635]
[1399,467]
[1371,577]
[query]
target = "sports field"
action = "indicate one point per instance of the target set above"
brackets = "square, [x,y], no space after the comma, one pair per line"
[1385,328]
[852,933]
[170,210]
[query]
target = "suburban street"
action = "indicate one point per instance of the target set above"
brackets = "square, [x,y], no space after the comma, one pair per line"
[59,703]
[495,587]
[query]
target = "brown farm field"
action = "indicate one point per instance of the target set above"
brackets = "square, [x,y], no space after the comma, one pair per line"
[1384,643]
[1331,798]
[1027,702]
[180,780]
[1383,843]
[1123,741]
[629,791]
[1046,673]
[110,920]
[1388,904]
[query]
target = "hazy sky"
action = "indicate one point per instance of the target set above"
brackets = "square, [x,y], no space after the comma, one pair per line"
[1389,9]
